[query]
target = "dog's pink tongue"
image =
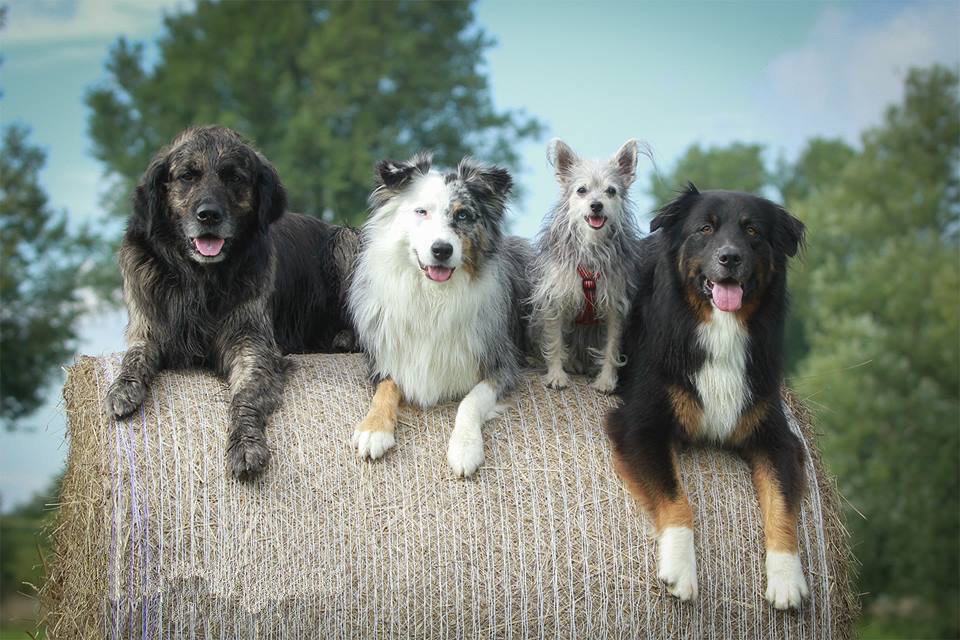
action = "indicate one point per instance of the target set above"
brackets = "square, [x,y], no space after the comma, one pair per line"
[209,247]
[596,222]
[727,297]
[439,274]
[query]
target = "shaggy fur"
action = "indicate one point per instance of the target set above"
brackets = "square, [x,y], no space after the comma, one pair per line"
[594,194]
[436,299]
[215,275]
[705,363]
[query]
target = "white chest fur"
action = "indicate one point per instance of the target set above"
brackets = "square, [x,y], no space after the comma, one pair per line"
[721,382]
[429,337]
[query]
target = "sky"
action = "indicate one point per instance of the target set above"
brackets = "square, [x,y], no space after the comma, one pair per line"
[595,73]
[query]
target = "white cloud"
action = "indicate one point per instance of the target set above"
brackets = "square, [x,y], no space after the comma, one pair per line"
[841,80]
[62,21]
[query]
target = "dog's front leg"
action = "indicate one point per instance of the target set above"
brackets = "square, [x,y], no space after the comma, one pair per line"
[606,380]
[140,364]
[255,370]
[555,352]
[373,437]
[465,451]
[778,478]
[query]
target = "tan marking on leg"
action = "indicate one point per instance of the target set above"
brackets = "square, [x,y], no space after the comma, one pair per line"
[665,511]
[748,423]
[382,415]
[779,521]
[686,409]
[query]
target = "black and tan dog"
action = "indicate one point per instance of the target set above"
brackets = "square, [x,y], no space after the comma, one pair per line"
[704,363]
[217,275]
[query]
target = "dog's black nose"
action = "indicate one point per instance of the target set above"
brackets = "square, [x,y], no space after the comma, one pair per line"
[729,256]
[441,250]
[208,213]
[596,207]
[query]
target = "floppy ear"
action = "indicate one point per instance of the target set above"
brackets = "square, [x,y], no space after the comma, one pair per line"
[489,182]
[675,210]
[625,161]
[562,158]
[271,195]
[394,175]
[150,197]
[789,232]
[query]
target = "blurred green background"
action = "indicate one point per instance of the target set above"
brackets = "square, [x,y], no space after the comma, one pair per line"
[849,116]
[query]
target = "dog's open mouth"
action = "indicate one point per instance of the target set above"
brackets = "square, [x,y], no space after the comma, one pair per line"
[438,273]
[208,246]
[726,295]
[596,221]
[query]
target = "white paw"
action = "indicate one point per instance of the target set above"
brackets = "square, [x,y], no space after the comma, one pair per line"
[465,452]
[606,382]
[372,444]
[678,562]
[786,586]
[556,379]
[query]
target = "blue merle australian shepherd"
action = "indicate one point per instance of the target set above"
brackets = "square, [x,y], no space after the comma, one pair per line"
[705,363]
[436,300]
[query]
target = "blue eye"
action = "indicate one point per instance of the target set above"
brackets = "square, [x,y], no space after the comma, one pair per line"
[420,212]
[461,216]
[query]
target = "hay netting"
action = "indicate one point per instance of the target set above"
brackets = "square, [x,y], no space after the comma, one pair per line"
[154,540]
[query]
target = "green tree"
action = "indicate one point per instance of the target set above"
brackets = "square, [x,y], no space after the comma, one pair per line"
[323,88]
[737,167]
[44,268]
[881,290]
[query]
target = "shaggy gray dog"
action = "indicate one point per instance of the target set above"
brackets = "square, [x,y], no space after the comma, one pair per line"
[216,275]
[584,268]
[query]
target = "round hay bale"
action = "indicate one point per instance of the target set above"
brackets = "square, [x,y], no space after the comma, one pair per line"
[155,540]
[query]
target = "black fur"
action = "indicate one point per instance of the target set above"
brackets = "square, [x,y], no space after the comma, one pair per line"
[276,286]
[661,344]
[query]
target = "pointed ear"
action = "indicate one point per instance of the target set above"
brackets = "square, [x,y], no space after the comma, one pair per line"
[675,210]
[150,197]
[625,161]
[562,158]
[789,233]
[395,175]
[271,195]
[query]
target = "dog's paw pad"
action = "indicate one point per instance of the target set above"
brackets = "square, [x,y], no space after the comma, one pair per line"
[123,398]
[248,457]
[372,444]
[678,562]
[464,454]
[605,383]
[786,586]
[556,380]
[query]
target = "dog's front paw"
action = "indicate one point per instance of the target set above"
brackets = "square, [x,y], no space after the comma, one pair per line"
[124,397]
[556,380]
[372,444]
[678,562]
[465,453]
[247,454]
[786,586]
[605,382]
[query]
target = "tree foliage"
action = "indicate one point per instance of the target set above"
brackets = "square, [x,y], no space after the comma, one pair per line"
[881,302]
[737,167]
[323,88]
[44,265]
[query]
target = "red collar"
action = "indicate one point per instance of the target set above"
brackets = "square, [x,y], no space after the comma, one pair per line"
[587,315]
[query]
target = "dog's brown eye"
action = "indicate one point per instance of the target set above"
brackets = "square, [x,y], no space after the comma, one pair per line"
[420,212]
[582,190]
[707,228]
[189,175]
[611,191]
[752,230]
